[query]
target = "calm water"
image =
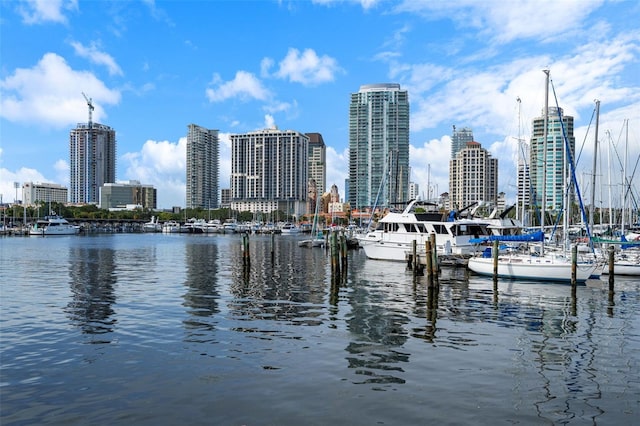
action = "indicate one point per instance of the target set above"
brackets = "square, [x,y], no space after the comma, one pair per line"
[171,329]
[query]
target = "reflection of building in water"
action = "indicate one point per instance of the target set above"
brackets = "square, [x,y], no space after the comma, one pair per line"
[92,274]
[202,294]
[291,287]
[379,328]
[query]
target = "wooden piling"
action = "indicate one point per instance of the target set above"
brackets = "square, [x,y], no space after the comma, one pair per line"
[429,259]
[435,268]
[574,264]
[273,247]
[494,252]
[246,256]
[414,256]
[344,252]
[335,264]
[611,253]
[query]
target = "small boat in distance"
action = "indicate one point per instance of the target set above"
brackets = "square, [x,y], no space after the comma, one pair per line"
[170,227]
[289,229]
[53,225]
[152,225]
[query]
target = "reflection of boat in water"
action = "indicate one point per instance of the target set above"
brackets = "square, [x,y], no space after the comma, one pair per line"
[54,225]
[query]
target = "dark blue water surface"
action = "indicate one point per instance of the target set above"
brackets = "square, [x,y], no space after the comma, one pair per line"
[151,329]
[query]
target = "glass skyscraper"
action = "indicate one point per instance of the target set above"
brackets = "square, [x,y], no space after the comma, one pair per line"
[459,140]
[556,166]
[378,146]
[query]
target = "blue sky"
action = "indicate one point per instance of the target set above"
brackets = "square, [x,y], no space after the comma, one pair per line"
[153,67]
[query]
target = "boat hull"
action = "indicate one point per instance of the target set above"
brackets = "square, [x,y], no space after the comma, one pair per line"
[534,268]
[71,230]
[623,269]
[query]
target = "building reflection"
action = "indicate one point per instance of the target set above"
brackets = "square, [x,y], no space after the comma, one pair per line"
[283,282]
[202,295]
[378,323]
[92,275]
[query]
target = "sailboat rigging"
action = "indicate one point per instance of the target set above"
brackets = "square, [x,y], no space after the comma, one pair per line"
[539,265]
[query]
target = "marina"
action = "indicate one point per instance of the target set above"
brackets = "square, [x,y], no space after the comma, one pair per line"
[152,328]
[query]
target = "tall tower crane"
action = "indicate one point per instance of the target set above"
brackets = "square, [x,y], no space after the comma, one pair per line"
[90,104]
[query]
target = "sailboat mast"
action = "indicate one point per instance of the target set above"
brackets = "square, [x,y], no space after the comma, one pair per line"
[609,179]
[624,176]
[595,163]
[544,154]
[520,180]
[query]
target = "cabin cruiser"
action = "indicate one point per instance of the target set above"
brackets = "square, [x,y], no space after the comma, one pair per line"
[394,234]
[53,225]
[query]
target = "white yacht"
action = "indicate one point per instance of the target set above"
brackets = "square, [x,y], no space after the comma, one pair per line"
[171,227]
[395,233]
[54,225]
[289,228]
[152,225]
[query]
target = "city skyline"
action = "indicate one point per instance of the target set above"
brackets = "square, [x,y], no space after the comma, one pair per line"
[151,69]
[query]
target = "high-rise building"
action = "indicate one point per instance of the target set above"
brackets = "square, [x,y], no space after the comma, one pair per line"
[318,161]
[459,140]
[33,193]
[92,160]
[414,190]
[269,171]
[378,146]
[225,198]
[203,167]
[555,167]
[473,177]
[132,193]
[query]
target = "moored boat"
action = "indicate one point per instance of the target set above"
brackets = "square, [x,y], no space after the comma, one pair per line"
[395,233]
[53,225]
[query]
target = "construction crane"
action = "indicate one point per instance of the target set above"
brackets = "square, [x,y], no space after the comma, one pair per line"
[90,104]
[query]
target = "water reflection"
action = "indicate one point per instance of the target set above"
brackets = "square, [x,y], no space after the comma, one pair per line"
[203,295]
[281,283]
[378,321]
[92,273]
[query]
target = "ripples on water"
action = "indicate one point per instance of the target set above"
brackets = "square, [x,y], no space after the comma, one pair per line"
[151,328]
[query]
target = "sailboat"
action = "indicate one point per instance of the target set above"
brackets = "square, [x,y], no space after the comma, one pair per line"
[535,265]
[627,259]
[317,237]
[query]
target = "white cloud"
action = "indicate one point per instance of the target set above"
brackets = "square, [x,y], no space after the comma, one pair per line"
[365,4]
[430,166]
[62,172]
[50,94]
[524,19]
[22,175]
[244,86]
[337,169]
[40,11]
[161,164]
[269,121]
[307,68]
[95,55]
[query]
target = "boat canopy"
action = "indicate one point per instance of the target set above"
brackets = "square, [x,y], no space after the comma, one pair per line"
[623,242]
